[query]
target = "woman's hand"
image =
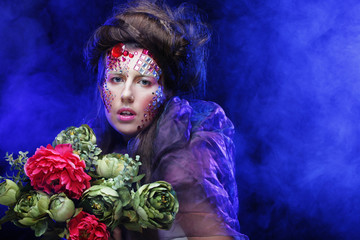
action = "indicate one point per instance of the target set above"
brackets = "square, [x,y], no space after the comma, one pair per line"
[116,234]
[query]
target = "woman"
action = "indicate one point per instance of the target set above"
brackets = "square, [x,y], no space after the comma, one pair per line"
[147,59]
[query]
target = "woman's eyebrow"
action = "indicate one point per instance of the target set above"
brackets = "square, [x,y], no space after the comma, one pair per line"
[148,77]
[115,73]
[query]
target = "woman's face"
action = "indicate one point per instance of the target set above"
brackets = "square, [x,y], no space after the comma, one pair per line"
[131,91]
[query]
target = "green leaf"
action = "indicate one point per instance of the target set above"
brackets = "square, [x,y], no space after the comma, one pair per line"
[118,211]
[138,178]
[142,213]
[108,191]
[40,228]
[154,184]
[27,221]
[136,201]
[125,195]
[131,215]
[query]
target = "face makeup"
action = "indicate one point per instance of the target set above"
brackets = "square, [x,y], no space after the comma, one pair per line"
[131,90]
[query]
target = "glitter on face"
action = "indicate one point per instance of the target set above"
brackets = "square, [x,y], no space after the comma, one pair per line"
[152,108]
[119,57]
[147,66]
[107,97]
[118,60]
[137,73]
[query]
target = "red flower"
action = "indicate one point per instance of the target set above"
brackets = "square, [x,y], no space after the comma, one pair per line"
[57,170]
[85,226]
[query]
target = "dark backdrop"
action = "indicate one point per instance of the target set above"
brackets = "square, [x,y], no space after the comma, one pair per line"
[286,72]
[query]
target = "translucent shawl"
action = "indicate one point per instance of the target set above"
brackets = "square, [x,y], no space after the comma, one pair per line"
[194,152]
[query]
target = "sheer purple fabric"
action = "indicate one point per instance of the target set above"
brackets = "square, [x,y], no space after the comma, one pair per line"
[194,152]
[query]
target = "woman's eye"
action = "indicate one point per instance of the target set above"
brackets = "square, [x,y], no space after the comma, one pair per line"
[145,82]
[116,79]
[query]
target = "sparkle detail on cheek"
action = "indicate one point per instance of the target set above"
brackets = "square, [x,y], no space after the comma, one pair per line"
[152,108]
[107,97]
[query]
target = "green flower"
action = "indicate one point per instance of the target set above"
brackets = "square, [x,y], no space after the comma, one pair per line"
[83,141]
[31,208]
[110,165]
[118,169]
[105,203]
[61,207]
[156,204]
[9,192]
[82,134]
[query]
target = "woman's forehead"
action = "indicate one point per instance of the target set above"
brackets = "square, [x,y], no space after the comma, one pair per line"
[121,59]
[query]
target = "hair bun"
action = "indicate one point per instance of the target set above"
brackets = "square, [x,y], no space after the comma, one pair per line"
[177,39]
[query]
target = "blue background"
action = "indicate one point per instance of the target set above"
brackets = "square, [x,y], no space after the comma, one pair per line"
[286,72]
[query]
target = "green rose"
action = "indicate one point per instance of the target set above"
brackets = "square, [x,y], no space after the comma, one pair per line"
[83,142]
[110,165]
[119,170]
[9,192]
[61,207]
[156,204]
[31,208]
[105,203]
[82,134]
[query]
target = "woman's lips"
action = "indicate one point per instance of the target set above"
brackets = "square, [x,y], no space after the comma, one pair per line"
[126,114]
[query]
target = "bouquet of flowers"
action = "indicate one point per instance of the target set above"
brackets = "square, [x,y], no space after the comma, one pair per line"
[72,190]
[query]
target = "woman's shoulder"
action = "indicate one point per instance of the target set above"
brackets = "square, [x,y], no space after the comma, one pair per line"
[209,116]
[198,115]
[183,122]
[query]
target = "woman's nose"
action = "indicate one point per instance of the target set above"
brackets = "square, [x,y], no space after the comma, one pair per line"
[127,95]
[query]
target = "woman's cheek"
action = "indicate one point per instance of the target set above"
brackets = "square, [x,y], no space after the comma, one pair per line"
[107,96]
[151,109]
